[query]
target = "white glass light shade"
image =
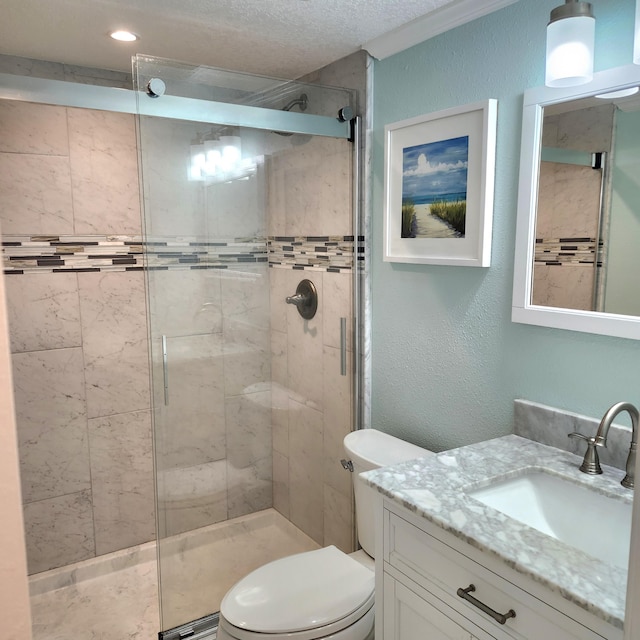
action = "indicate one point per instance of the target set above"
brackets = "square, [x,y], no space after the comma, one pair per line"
[570,43]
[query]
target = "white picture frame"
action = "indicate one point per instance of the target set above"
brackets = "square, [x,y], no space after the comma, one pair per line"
[445,161]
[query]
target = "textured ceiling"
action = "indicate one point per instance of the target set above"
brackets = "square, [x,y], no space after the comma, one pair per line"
[283,38]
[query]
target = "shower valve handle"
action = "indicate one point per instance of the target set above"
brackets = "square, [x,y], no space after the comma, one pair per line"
[305,299]
[298,299]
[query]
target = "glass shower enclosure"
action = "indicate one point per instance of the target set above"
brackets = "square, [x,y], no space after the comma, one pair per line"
[248,186]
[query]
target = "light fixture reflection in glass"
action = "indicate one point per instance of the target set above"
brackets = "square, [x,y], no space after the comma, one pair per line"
[231,152]
[213,157]
[570,44]
[220,159]
[198,161]
[124,36]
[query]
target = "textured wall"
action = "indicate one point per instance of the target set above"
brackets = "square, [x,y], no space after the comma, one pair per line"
[447,360]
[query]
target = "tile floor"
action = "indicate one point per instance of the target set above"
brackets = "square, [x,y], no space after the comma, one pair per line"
[115,597]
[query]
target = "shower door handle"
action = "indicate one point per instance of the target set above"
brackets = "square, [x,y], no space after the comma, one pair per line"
[165,370]
[343,346]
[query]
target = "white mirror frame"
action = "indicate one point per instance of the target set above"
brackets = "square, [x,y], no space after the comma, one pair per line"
[523,311]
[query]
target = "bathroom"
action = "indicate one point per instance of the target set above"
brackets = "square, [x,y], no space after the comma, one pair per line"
[446,359]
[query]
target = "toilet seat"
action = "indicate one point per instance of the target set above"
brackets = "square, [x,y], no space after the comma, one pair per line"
[303,597]
[358,626]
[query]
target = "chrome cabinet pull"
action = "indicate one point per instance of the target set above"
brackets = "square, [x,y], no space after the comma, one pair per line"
[343,346]
[498,617]
[165,370]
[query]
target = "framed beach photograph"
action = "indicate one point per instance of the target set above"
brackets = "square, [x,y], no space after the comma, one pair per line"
[439,177]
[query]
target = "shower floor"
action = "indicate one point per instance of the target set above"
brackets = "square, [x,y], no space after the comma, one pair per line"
[115,597]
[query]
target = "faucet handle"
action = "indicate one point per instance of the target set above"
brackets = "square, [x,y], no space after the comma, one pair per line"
[577,434]
[591,462]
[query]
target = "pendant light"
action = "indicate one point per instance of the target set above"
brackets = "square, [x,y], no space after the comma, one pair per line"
[570,44]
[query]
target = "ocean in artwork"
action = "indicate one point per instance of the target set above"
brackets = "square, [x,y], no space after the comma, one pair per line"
[434,189]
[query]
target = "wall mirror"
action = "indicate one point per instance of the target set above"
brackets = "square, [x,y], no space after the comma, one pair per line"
[577,258]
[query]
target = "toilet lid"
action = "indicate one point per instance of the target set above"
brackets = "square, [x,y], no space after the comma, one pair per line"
[304,591]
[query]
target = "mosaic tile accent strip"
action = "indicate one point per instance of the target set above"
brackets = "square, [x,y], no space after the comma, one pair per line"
[326,253]
[566,251]
[52,254]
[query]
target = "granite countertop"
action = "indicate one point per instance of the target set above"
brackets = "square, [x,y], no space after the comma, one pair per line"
[434,488]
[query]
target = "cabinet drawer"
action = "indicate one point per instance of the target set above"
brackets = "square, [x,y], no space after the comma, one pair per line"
[443,570]
[412,613]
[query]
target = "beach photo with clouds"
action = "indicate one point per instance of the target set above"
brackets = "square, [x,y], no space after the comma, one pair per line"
[434,189]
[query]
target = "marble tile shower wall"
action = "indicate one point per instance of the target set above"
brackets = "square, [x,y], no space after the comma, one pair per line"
[312,401]
[80,350]
[79,340]
[213,436]
[213,431]
[567,223]
[283,440]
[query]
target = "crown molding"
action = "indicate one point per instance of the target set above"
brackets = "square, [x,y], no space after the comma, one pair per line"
[432,24]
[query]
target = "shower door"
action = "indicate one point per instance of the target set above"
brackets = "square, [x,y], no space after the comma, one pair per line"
[248,189]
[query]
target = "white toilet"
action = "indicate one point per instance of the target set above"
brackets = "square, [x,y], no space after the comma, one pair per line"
[323,593]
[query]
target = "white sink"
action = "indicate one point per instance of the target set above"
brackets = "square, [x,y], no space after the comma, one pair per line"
[598,524]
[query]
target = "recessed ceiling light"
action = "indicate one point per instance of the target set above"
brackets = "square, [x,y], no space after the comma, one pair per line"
[124,36]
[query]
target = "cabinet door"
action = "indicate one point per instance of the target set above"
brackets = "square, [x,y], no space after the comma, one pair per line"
[409,617]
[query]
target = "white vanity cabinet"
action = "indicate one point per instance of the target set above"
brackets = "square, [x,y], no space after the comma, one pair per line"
[423,570]
[413,613]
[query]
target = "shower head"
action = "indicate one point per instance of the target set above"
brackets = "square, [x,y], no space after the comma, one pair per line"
[298,102]
[301,102]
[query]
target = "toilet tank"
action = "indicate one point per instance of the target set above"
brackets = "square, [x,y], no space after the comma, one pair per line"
[370,449]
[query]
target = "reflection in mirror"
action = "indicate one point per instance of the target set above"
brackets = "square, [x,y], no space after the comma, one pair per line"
[589,207]
[578,238]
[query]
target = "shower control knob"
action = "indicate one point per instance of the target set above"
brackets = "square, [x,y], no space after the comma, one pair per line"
[156,87]
[305,298]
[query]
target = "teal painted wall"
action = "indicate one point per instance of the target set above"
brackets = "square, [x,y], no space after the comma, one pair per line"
[447,362]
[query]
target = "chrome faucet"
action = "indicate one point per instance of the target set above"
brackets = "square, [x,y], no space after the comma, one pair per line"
[603,430]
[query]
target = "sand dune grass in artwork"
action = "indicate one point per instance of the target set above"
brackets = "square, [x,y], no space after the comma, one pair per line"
[453,213]
[408,220]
